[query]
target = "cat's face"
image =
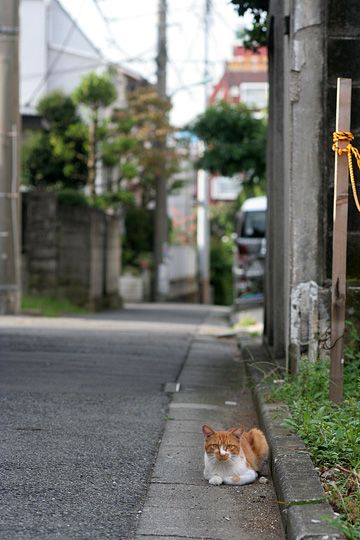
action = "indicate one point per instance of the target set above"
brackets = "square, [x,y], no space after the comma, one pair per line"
[222,445]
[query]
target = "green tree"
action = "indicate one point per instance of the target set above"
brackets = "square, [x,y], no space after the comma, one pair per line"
[95,92]
[256,36]
[119,151]
[58,111]
[222,217]
[235,141]
[56,155]
[137,147]
[143,128]
[138,238]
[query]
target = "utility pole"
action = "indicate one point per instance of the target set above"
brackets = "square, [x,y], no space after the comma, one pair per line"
[10,287]
[161,233]
[203,228]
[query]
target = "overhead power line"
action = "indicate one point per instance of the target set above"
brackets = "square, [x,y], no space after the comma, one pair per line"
[113,40]
[78,68]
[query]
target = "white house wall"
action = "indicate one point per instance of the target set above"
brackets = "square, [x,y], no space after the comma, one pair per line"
[70,53]
[33,50]
[54,52]
[69,70]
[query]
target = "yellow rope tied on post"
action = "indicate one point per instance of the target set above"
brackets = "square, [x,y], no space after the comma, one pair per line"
[349,150]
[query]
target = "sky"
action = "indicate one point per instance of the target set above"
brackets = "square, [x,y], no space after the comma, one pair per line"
[127,34]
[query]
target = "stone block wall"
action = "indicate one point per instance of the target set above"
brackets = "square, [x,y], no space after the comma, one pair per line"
[70,251]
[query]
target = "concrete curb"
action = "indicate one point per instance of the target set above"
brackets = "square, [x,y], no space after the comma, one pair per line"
[300,494]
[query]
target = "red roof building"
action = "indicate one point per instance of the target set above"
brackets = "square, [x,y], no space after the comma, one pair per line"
[245,79]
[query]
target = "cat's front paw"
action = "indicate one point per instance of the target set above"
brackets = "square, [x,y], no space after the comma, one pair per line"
[216,480]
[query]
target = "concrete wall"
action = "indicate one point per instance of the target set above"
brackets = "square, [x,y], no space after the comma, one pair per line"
[71,252]
[182,268]
[312,42]
[181,277]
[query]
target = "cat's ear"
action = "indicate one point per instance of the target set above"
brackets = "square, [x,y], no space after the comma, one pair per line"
[238,431]
[207,431]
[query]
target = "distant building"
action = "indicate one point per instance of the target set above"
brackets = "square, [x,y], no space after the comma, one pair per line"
[245,79]
[224,188]
[54,54]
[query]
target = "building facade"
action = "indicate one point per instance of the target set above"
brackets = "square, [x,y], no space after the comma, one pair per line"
[245,79]
[54,55]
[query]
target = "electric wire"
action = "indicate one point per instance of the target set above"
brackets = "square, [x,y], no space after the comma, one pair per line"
[136,58]
[107,24]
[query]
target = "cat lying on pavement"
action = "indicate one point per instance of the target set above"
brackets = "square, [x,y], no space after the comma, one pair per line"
[234,456]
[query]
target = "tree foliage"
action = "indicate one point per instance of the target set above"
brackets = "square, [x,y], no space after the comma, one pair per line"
[235,141]
[256,36]
[95,92]
[138,239]
[56,155]
[130,143]
[143,132]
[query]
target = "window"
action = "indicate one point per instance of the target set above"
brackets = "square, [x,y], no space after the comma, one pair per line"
[254,95]
[234,91]
[254,224]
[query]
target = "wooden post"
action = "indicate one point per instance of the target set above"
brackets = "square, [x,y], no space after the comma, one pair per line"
[338,296]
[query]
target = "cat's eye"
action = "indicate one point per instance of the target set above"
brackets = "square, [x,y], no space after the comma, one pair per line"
[231,447]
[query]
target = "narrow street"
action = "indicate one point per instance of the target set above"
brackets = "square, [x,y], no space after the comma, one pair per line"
[83,410]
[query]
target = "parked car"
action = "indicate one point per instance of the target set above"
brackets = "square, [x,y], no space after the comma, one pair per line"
[250,251]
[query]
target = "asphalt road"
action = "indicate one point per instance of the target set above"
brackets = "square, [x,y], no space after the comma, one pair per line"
[82,408]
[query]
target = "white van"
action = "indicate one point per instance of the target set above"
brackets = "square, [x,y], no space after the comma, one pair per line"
[250,250]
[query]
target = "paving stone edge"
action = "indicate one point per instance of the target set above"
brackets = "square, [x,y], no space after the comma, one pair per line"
[301,497]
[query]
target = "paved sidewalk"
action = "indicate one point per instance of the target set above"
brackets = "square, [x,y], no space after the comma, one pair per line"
[180,503]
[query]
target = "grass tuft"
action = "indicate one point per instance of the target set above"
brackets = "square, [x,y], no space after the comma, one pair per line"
[50,307]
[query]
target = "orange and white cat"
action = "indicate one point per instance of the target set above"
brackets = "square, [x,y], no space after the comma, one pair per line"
[234,456]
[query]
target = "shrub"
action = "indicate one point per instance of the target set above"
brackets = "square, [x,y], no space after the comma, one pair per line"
[71,197]
[221,259]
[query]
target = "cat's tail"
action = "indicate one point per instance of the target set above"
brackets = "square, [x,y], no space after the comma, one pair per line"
[259,445]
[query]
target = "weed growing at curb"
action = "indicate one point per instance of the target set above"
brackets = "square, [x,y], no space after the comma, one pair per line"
[330,432]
